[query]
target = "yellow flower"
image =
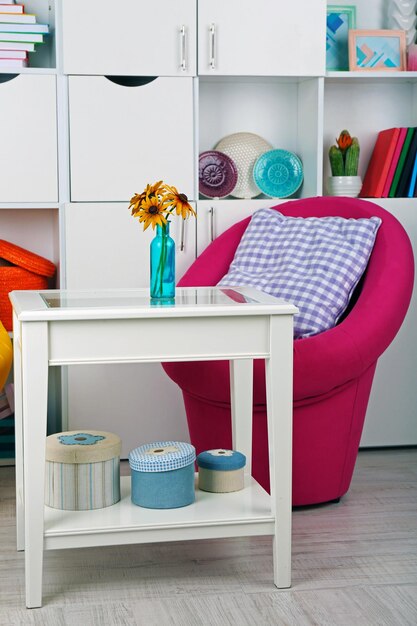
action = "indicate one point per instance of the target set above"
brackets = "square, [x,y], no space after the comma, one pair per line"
[151,190]
[151,211]
[179,201]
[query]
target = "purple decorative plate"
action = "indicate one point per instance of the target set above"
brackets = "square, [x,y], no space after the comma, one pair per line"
[217,174]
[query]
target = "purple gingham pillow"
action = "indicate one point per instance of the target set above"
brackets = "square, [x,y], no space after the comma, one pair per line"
[313,262]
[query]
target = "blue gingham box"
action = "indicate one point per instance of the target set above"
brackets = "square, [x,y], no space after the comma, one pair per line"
[163,474]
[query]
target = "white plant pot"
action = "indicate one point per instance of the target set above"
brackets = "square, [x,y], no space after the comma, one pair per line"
[344,186]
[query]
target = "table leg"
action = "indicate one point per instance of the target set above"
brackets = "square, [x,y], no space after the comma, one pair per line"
[279,373]
[241,399]
[18,428]
[34,401]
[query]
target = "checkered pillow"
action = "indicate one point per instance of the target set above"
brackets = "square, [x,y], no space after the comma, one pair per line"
[312,262]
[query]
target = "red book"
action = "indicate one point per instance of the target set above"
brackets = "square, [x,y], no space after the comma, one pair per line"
[396,156]
[379,164]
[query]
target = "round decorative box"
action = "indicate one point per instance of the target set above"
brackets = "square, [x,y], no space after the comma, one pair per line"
[82,470]
[163,474]
[220,470]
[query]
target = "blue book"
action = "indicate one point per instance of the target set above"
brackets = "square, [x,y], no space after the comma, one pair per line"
[413,179]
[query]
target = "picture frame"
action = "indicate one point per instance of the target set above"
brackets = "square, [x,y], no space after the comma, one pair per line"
[339,20]
[377,50]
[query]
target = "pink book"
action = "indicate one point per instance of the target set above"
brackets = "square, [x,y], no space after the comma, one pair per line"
[396,156]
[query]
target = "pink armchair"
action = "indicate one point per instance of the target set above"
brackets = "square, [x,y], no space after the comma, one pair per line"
[333,371]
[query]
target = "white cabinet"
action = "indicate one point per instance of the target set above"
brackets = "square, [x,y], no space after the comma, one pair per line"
[28,147]
[123,136]
[155,38]
[262,38]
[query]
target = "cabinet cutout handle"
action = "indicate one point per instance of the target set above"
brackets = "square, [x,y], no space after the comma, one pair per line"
[183,48]
[131,81]
[211,211]
[212,46]
[4,78]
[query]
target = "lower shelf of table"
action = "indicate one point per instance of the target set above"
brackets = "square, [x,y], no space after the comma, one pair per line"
[213,515]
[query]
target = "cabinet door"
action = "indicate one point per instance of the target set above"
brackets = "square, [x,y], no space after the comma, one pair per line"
[132,37]
[123,137]
[106,248]
[243,37]
[28,146]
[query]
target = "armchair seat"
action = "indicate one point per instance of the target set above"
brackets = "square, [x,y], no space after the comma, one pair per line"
[333,370]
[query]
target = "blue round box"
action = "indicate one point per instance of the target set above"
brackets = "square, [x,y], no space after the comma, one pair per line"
[163,474]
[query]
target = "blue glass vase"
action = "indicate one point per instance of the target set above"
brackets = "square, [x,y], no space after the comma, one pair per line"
[162,264]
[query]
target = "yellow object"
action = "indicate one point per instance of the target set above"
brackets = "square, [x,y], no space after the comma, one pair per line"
[6,355]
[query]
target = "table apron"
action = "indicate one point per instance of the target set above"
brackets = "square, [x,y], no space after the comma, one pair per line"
[147,340]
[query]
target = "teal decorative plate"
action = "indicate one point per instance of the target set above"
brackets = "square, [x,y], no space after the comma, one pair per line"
[278,173]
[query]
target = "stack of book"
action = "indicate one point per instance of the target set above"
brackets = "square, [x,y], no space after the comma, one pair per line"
[392,169]
[19,34]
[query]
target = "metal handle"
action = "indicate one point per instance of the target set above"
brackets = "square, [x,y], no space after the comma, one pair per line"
[182,246]
[211,211]
[183,48]
[212,46]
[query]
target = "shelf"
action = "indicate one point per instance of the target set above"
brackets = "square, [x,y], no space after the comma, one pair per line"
[349,77]
[241,513]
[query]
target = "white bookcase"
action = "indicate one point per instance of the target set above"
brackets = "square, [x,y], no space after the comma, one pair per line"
[119,98]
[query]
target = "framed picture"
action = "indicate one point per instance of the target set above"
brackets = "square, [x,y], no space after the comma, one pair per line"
[340,19]
[377,50]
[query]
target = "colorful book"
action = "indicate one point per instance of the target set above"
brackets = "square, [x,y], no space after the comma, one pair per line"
[11,8]
[377,172]
[413,180]
[24,28]
[13,54]
[13,62]
[23,37]
[401,162]
[17,18]
[394,162]
[404,182]
[17,45]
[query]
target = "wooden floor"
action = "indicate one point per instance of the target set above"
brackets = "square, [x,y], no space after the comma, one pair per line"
[354,563]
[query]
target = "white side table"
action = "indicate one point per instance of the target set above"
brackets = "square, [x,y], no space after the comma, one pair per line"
[55,328]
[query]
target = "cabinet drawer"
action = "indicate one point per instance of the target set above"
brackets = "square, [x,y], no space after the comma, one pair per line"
[123,137]
[139,38]
[28,131]
[106,247]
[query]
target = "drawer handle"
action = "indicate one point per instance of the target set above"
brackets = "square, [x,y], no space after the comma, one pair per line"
[183,48]
[211,211]
[131,81]
[212,46]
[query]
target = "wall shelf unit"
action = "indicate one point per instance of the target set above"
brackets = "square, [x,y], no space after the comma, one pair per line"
[87,144]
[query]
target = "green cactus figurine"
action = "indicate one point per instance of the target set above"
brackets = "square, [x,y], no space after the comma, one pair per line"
[344,158]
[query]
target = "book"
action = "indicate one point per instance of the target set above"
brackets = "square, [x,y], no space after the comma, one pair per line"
[13,54]
[413,179]
[401,162]
[394,162]
[19,18]
[23,37]
[380,161]
[12,8]
[404,182]
[24,28]
[13,62]
[17,45]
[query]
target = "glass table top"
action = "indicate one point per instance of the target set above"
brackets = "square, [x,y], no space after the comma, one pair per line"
[199,296]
